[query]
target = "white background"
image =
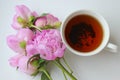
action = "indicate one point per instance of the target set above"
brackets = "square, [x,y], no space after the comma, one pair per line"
[103,66]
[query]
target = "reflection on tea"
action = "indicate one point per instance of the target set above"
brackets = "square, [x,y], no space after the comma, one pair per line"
[83,33]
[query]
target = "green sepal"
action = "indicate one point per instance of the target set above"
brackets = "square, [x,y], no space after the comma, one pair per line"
[44,14]
[31,59]
[38,63]
[47,27]
[35,63]
[57,24]
[20,20]
[22,44]
[31,19]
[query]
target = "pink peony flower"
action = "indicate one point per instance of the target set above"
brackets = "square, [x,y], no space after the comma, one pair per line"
[41,21]
[18,42]
[20,61]
[24,13]
[48,44]
[22,64]
[46,20]
[37,41]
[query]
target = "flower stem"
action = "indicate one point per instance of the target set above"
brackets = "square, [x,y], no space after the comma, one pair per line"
[46,72]
[64,76]
[57,63]
[67,65]
[33,26]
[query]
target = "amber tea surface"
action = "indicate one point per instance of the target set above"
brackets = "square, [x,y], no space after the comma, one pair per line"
[83,33]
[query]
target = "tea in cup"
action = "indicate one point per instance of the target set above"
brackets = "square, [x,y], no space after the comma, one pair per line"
[86,33]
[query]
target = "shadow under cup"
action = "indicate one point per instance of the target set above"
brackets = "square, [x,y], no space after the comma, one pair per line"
[85,32]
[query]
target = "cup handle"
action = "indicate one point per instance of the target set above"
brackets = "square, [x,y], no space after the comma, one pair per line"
[111,47]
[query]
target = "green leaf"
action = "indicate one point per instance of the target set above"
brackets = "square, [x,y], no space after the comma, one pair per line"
[41,61]
[22,44]
[44,76]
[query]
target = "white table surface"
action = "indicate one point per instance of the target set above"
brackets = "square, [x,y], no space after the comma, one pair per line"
[103,66]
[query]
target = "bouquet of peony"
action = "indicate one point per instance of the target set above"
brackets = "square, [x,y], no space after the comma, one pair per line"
[37,43]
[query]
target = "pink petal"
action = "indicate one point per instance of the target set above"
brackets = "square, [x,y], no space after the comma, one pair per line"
[31,50]
[15,24]
[23,65]
[13,43]
[59,53]
[34,14]
[13,61]
[23,11]
[41,21]
[47,55]
[25,34]
[51,19]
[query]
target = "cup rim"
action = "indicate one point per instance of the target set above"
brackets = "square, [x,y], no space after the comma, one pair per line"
[101,20]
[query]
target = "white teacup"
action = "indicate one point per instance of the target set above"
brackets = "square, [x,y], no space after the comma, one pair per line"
[105,34]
